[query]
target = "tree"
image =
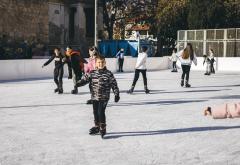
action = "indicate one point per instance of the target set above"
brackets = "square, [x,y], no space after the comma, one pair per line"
[232,13]
[118,12]
[110,9]
[171,16]
[213,14]
[206,14]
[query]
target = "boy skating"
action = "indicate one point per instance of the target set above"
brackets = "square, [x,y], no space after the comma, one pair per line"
[102,81]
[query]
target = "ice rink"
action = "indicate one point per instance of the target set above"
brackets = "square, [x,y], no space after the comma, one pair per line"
[165,127]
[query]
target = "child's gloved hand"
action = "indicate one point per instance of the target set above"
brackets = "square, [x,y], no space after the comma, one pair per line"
[117,98]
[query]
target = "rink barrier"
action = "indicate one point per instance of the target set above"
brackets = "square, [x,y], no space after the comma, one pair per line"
[221,64]
[32,68]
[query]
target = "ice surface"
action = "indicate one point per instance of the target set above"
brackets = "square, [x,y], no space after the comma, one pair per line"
[166,127]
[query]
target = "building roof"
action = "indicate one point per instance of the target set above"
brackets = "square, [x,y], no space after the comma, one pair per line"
[143,27]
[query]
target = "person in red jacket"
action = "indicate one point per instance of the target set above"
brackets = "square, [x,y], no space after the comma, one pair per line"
[227,110]
[77,63]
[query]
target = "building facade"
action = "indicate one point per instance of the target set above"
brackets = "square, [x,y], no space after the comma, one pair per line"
[32,27]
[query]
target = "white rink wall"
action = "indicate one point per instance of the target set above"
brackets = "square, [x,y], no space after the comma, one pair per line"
[32,69]
[221,64]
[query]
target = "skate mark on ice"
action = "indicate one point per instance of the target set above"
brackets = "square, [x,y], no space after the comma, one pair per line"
[113,135]
[226,97]
[142,91]
[193,91]
[165,102]
[216,86]
[43,105]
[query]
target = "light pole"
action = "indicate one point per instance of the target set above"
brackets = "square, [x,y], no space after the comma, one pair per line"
[138,40]
[217,58]
[95,23]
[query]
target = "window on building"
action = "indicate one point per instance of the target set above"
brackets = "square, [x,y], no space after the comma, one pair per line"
[89,14]
[72,23]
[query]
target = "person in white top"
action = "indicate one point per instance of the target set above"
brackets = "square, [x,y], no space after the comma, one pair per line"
[212,60]
[140,68]
[186,57]
[173,58]
[208,62]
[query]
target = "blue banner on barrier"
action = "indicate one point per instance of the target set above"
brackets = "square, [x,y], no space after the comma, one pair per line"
[113,48]
[133,48]
[109,48]
[123,44]
[104,48]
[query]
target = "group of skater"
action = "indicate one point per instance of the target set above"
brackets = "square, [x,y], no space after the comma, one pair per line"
[101,80]
[186,56]
[75,63]
[95,73]
[209,60]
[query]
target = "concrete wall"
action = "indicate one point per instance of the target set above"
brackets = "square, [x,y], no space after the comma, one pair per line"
[29,69]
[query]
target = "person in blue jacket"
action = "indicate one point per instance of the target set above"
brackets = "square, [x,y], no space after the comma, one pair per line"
[120,56]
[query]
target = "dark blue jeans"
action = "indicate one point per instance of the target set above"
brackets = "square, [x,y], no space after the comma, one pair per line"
[185,71]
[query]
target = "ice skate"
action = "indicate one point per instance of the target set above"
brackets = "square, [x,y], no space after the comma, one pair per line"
[103,130]
[130,91]
[56,90]
[182,83]
[103,133]
[94,130]
[74,91]
[187,85]
[60,91]
[146,90]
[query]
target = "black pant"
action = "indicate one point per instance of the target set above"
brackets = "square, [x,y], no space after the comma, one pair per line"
[120,64]
[212,70]
[99,111]
[69,69]
[136,76]
[185,71]
[58,75]
[174,65]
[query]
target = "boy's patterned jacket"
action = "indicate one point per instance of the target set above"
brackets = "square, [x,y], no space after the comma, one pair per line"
[101,80]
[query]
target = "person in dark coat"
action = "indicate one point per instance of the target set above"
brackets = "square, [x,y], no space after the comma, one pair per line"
[77,64]
[58,70]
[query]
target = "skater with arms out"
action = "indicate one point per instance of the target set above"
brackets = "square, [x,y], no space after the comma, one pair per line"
[102,81]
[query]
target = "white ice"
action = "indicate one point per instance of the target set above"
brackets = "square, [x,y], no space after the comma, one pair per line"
[166,127]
